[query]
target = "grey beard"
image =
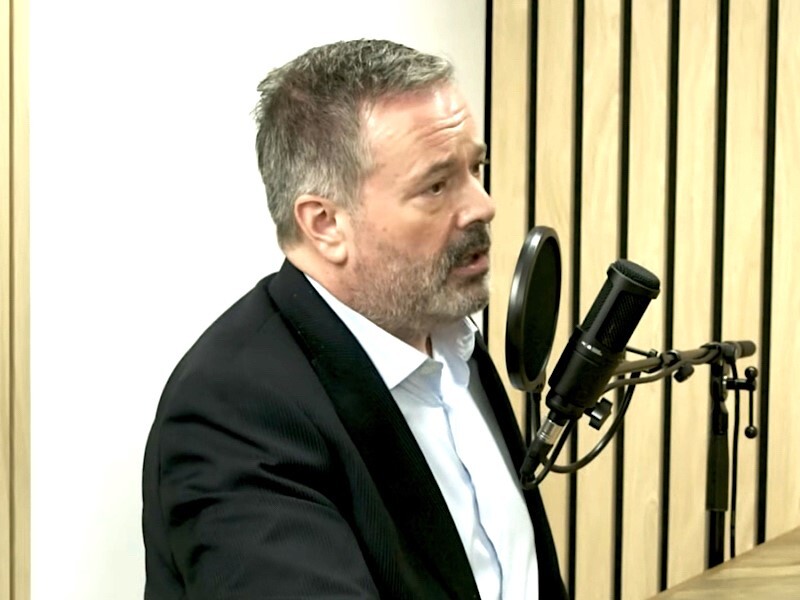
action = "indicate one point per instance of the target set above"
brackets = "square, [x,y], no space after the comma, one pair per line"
[406,296]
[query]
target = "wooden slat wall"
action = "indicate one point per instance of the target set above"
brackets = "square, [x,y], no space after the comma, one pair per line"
[553,189]
[694,232]
[598,248]
[744,192]
[5,309]
[14,306]
[783,481]
[647,196]
[674,169]
[509,178]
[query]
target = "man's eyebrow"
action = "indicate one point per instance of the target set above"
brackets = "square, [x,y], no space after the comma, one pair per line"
[445,165]
[451,162]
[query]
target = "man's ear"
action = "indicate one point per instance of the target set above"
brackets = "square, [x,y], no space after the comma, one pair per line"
[323,224]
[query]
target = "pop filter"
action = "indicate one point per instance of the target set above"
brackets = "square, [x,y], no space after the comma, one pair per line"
[533,309]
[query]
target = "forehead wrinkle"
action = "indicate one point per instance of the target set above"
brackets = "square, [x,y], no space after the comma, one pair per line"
[451,114]
[448,162]
[440,133]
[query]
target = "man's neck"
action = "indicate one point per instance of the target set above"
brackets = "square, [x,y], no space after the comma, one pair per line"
[416,338]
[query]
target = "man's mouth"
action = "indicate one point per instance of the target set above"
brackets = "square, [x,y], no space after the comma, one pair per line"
[474,263]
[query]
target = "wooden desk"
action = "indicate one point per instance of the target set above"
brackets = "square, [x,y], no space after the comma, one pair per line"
[770,571]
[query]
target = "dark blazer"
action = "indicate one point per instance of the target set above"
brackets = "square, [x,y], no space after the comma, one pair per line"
[279,465]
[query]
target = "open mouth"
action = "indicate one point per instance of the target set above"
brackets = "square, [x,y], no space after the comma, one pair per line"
[477,254]
[475,263]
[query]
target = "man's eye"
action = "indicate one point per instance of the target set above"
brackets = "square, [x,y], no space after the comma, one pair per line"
[477,168]
[437,188]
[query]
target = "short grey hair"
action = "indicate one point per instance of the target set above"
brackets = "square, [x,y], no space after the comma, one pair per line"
[310,115]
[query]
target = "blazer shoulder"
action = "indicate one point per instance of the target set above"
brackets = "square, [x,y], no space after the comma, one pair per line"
[247,352]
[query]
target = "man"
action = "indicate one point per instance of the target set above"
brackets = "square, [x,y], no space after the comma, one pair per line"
[340,431]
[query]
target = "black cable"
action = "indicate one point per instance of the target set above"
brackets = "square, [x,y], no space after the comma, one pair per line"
[662,373]
[600,446]
[631,382]
[548,464]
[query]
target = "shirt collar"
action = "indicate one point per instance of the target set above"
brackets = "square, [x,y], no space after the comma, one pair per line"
[394,359]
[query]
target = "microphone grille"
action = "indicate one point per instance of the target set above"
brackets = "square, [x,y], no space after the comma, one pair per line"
[637,273]
[617,328]
[621,303]
[598,304]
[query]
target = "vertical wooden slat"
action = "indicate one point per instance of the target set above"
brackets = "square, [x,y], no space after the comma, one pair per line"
[508,149]
[783,483]
[719,513]
[5,301]
[624,225]
[554,127]
[576,200]
[767,251]
[668,289]
[599,248]
[18,302]
[693,275]
[744,192]
[646,246]
[21,498]
[487,103]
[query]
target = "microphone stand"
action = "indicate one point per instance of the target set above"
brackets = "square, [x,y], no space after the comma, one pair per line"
[720,356]
[717,465]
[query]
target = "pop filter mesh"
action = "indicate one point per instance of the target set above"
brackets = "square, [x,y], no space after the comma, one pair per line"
[533,308]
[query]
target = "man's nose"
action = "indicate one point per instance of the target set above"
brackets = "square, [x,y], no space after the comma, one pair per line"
[478,205]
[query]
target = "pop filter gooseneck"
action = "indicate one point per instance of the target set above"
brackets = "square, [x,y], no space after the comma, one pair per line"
[533,309]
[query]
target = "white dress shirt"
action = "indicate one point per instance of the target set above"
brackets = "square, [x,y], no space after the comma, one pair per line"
[446,408]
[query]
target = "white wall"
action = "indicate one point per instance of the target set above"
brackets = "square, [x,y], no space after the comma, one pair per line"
[148,219]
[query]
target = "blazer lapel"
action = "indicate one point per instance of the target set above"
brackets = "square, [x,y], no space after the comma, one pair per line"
[550,582]
[495,391]
[378,429]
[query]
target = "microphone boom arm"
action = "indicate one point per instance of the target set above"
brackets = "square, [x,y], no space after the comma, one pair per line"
[660,366]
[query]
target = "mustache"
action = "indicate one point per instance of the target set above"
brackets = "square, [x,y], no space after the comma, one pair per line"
[476,239]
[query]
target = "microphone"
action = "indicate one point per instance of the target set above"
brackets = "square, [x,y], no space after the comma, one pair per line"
[593,352]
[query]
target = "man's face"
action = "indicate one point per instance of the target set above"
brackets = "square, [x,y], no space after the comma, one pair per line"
[420,230]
